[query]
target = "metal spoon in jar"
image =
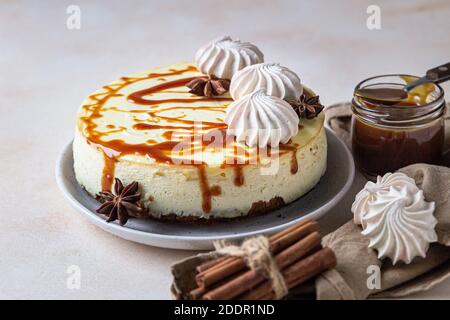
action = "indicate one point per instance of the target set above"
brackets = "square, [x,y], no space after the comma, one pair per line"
[394,95]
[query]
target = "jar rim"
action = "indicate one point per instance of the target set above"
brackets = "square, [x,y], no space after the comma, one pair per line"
[439,97]
[385,115]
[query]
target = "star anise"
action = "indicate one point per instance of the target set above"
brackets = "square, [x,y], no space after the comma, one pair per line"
[306,107]
[208,86]
[122,204]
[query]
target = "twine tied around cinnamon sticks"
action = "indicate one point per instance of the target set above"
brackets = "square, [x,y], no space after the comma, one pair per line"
[257,256]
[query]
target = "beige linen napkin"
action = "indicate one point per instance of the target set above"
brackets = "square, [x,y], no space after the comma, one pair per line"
[349,279]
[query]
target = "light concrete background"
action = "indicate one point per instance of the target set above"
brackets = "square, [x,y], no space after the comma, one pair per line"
[46,70]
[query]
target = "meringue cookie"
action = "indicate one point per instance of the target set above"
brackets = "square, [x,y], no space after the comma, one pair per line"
[383,184]
[400,224]
[223,57]
[261,119]
[275,79]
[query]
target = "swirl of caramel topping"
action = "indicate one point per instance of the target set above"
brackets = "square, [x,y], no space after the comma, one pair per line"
[154,115]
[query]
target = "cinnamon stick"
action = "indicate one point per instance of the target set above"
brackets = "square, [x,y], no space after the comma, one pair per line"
[296,274]
[281,241]
[217,266]
[277,242]
[224,270]
[298,250]
[251,278]
[310,267]
[209,264]
[289,229]
[197,293]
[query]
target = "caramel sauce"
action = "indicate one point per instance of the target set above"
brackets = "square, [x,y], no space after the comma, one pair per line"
[418,95]
[207,191]
[175,128]
[138,96]
[238,176]
[284,148]
[294,162]
[188,125]
[381,149]
[108,172]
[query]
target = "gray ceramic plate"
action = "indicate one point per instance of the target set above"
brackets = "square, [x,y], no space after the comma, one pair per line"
[331,188]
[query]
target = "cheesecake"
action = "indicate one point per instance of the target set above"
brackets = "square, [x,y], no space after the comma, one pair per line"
[151,128]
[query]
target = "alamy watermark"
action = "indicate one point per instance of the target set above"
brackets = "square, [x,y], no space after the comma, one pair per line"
[73,21]
[206,146]
[373,21]
[374,277]
[73,281]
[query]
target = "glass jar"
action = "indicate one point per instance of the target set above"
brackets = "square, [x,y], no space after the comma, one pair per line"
[386,136]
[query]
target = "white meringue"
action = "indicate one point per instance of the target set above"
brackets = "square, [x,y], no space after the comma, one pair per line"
[223,57]
[400,224]
[261,119]
[383,184]
[277,80]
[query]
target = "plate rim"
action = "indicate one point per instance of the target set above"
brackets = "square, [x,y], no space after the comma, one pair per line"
[132,234]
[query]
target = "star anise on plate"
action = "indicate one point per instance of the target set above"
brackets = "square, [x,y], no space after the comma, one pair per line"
[307,107]
[208,86]
[122,204]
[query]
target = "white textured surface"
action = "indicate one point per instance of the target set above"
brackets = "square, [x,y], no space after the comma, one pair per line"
[51,69]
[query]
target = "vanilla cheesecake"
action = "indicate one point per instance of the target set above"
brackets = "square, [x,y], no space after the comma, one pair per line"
[148,128]
[191,150]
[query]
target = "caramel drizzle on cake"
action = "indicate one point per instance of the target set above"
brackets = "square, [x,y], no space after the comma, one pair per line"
[294,161]
[175,129]
[108,172]
[138,96]
[239,176]
[207,191]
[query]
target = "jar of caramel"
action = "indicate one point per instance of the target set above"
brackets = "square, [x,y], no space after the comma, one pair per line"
[388,135]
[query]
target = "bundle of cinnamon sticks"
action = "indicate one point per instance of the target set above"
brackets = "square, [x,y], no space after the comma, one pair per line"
[296,251]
